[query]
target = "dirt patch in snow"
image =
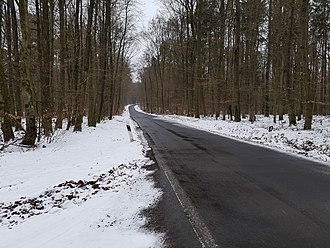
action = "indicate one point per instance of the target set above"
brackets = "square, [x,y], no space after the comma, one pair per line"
[65,193]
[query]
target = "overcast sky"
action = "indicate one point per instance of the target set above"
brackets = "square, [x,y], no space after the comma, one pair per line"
[149,9]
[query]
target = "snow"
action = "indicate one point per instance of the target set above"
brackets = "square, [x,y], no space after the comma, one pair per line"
[312,144]
[88,189]
[82,190]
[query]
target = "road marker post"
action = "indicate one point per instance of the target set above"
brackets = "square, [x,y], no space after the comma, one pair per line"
[129,130]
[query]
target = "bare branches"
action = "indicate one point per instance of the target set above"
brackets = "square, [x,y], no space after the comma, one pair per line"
[239,58]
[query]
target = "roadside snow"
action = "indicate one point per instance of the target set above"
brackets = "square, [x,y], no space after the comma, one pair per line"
[82,190]
[313,144]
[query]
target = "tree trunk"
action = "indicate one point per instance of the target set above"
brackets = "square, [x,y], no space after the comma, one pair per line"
[237,107]
[5,101]
[17,80]
[287,73]
[62,70]
[85,72]
[46,64]
[25,68]
[77,116]
[305,65]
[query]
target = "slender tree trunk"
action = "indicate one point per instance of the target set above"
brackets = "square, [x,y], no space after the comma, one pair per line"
[86,64]
[17,80]
[268,60]
[25,67]
[5,101]
[237,62]
[104,63]
[287,72]
[77,116]
[305,68]
[46,63]
[62,70]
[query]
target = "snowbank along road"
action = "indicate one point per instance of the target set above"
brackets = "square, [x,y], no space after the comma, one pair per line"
[240,195]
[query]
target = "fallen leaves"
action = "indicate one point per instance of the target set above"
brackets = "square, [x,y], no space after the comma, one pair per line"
[70,191]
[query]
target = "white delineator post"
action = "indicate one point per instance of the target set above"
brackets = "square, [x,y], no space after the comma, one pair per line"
[129,130]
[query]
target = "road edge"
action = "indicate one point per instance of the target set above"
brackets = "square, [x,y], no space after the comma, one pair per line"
[197,223]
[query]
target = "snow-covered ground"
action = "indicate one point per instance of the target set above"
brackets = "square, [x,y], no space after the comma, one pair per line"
[88,189]
[313,144]
[82,190]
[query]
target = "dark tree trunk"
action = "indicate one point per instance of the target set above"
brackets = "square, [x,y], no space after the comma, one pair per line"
[25,67]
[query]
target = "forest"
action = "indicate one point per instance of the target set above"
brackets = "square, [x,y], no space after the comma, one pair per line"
[63,59]
[239,58]
[66,59]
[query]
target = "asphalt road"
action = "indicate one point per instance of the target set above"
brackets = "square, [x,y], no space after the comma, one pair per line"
[248,196]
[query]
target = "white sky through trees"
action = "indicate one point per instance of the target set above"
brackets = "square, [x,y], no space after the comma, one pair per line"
[149,9]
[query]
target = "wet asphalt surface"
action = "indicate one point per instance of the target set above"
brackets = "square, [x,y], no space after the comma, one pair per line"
[248,196]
